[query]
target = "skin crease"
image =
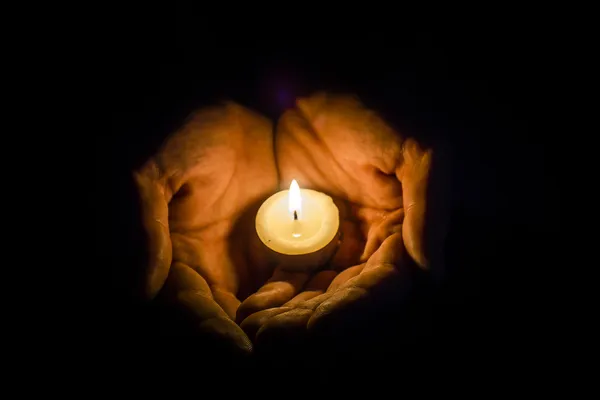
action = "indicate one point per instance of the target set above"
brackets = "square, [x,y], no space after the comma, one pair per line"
[199,195]
[378,180]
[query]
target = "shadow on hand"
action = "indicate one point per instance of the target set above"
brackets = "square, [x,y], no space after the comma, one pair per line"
[246,247]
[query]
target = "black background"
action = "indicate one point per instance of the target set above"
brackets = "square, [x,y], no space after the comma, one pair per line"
[485,85]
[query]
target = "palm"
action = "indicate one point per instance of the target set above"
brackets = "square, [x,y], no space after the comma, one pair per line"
[211,176]
[336,146]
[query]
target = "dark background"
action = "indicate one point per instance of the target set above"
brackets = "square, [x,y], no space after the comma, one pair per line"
[485,87]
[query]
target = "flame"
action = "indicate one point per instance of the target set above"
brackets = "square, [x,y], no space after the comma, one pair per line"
[294,198]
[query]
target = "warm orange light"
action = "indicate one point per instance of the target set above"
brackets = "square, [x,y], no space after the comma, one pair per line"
[295,199]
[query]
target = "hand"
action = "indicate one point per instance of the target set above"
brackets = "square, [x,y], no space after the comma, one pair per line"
[382,185]
[199,195]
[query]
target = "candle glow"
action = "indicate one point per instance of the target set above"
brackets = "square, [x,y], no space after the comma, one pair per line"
[295,199]
[299,226]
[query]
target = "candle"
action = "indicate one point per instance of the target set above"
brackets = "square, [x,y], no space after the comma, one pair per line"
[300,228]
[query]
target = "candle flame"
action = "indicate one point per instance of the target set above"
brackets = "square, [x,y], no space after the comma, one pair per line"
[294,198]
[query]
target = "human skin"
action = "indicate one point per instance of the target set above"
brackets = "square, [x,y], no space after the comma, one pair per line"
[200,192]
[197,196]
[380,181]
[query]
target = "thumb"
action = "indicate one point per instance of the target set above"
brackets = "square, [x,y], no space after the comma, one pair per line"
[191,298]
[425,189]
[154,215]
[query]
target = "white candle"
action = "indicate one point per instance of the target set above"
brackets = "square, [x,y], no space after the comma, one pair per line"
[300,227]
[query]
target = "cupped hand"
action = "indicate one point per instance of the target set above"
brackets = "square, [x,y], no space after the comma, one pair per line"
[199,195]
[381,182]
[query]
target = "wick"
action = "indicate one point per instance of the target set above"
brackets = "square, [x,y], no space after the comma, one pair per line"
[295,216]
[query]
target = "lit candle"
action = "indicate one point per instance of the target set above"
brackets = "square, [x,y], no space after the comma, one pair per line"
[300,227]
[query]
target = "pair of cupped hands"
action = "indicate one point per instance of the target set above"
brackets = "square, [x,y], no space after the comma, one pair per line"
[200,192]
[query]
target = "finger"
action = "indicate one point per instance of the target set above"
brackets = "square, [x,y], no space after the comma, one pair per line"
[282,286]
[213,321]
[316,286]
[381,272]
[155,223]
[284,330]
[344,276]
[352,285]
[254,322]
[288,329]
[391,253]
[413,174]
[389,224]
[227,300]
[367,216]
[214,264]
[192,296]
[426,202]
